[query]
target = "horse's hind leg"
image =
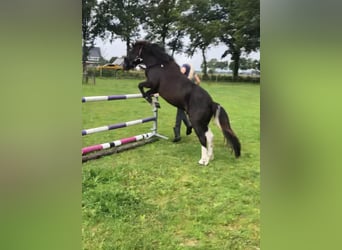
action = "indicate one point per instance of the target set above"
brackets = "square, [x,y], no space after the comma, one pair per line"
[205,137]
[210,144]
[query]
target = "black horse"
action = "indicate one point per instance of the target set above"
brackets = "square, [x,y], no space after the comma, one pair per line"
[164,77]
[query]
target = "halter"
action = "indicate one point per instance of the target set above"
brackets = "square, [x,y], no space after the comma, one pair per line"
[140,50]
[138,58]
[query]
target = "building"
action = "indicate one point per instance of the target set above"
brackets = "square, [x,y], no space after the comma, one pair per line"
[94,56]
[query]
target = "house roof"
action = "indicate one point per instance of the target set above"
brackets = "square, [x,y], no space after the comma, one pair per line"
[94,54]
[118,61]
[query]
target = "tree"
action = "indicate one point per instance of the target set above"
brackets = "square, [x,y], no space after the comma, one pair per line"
[121,18]
[246,64]
[215,64]
[162,23]
[202,26]
[89,30]
[256,64]
[88,23]
[176,44]
[240,27]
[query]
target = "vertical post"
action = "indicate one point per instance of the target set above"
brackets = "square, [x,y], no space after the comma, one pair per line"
[155,107]
[155,114]
[94,75]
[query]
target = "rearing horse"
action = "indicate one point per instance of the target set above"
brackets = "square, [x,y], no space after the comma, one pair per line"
[164,77]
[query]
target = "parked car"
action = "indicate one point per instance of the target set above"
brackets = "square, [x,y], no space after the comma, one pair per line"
[110,66]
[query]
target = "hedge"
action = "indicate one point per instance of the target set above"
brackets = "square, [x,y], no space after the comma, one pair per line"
[134,74]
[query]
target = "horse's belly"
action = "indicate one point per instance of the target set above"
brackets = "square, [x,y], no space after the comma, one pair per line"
[173,100]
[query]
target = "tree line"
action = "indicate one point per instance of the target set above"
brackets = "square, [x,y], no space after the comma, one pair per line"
[244,64]
[234,23]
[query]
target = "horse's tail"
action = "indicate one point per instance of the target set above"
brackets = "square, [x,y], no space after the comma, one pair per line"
[222,121]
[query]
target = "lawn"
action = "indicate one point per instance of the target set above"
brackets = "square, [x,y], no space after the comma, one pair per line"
[157,196]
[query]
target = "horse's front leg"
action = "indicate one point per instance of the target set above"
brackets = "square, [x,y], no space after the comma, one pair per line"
[146,95]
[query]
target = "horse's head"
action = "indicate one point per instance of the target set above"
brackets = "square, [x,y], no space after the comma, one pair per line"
[147,53]
[134,56]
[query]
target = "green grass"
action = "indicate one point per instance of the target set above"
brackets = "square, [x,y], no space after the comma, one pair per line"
[157,196]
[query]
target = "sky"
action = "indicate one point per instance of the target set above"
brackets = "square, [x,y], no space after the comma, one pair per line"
[118,49]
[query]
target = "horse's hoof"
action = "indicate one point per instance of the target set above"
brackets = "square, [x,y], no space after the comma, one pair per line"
[203,162]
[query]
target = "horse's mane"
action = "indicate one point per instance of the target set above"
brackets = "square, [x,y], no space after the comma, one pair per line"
[156,50]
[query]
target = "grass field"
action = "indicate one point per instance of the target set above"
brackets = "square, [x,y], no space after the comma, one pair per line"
[157,196]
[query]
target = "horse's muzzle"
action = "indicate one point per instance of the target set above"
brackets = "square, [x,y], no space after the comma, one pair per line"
[127,65]
[130,64]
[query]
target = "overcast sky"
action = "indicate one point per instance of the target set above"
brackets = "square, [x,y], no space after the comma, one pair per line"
[118,48]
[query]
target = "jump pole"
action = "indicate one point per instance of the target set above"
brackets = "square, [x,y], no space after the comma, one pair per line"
[116,143]
[110,97]
[116,126]
[125,142]
[110,151]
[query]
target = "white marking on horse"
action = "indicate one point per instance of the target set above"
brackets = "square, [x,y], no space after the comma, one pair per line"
[207,152]
[204,159]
